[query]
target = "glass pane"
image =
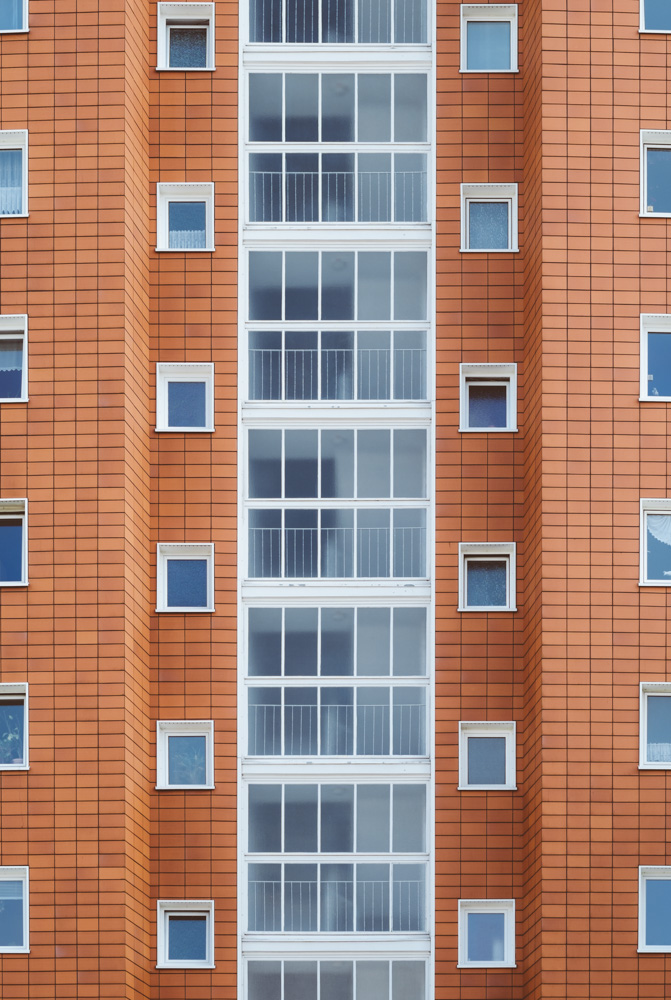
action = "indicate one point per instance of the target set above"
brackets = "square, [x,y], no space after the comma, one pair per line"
[11,181]
[265,25]
[265,721]
[372,982]
[410,22]
[187,583]
[265,818]
[265,187]
[301,552]
[264,633]
[187,938]
[374,107]
[265,534]
[486,760]
[186,225]
[373,464]
[374,365]
[374,285]
[11,732]
[265,897]
[337,642]
[301,106]
[300,722]
[338,187]
[337,818]
[264,980]
[337,463]
[372,897]
[409,829]
[486,937]
[265,463]
[337,721]
[372,655]
[486,583]
[372,543]
[300,897]
[372,716]
[410,286]
[410,187]
[409,722]
[488,45]
[337,98]
[409,463]
[409,543]
[487,405]
[302,21]
[11,549]
[658,912]
[410,111]
[407,980]
[11,15]
[188,47]
[187,760]
[300,463]
[409,365]
[658,545]
[300,644]
[301,375]
[488,225]
[337,365]
[11,914]
[657,15]
[337,539]
[337,286]
[11,368]
[265,285]
[300,980]
[409,898]
[659,364]
[302,187]
[374,24]
[659,728]
[300,818]
[301,298]
[336,979]
[186,404]
[372,818]
[337,21]
[265,107]
[409,642]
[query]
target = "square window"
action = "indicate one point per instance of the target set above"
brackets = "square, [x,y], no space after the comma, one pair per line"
[655,543]
[14,173]
[487,755]
[655,173]
[655,357]
[486,933]
[489,38]
[185,577]
[13,15]
[185,217]
[13,910]
[13,362]
[13,543]
[655,15]
[13,727]
[184,754]
[488,218]
[487,576]
[655,725]
[185,934]
[185,36]
[184,397]
[488,397]
[654,908]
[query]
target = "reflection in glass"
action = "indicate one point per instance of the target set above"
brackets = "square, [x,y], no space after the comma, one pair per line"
[265,187]
[372,818]
[658,912]
[372,714]
[264,448]
[372,897]
[374,176]
[375,24]
[409,905]
[187,583]
[11,15]
[337,21]
[337,463]
[374,106]
[372,543]
[300,818]
[338,285]
[11,549]
[186,404]
[409,463]
[373,472]
[301,466]
[187,760]
[265,721]
[374,365]
[301,107]
[301,552]
[300,898]
[300,642]
[373,641]
[301,375]
[265,818]
[337,536]
[337,365]
[186,225]
[302,187]
[659,364]
[11,181]
[486,583]
[337,818]
[659,728]
[487,405]
[337,642]
[264,637]
[374,274]
[302,21]
[265,543]
[658,545]
[657,15]
[410,24]
[265,107]
[486,937]
[187,938]
[410,279]
[12,724]
[300,722]
[265,285]
[409,642]
[300,279]
[409,819]
[337,187]
[11,913]
[264,979]
[409,542]
[488,45]
[337,102]
[410,107]
[265,900]
[486,760]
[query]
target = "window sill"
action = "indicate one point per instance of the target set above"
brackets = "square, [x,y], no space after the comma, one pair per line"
[185,69]
[181,430]
[13,583]
[13,399]
[494,609]
[649,583]
[493,250]
[654,31]
[14,767]
[489,965]
[654,215]
[184,788]
[489,72]
[641,399]
[488,430]
[185,965]
[184,250]
[15,215]
[14,951]
[14,31]
[185,611]
[486,788]
[657,766]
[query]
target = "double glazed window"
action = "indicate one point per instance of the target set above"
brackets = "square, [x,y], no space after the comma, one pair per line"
[184,754]
[368,22]
[656,357]
[13,173]
[487,933]
[488,397]
[185,577]
[184,397]
[185,36]
[488,38]
[185,934]
[337,980]
[486,755]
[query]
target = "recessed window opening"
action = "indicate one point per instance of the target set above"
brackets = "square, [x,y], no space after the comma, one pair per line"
[13,361]
[184,754]
[486,933]
[488,38]
[13,910]
[13,173]
[185,937]
[487,755]
[185,216]
[184,397]
[487,576]
[13,543]
[656,542]
[13,727]
[185,576]
[488,394]
[489,217]
[185,36]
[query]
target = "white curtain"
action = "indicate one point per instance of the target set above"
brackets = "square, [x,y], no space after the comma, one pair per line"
[659,752]
[187,239]
[11,355]
[659,526]
[10,181]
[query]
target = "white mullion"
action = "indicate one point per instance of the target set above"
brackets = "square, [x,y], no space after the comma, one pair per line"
[282,714]
[282,642]
[392,261]
[392,365]
[319,720]
[356,101]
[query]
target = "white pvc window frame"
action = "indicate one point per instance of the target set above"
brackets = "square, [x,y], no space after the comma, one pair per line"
[24,28]
[488,12]
[167,193]
[15,327]
[487,551]
[651,139]
[648,873]
[16,873]
[165,729]
[650,505]
[17,508]
[488,374]
[166,373]
[651,31]
[166,908]
[488,730]
[184,15]
[651,323]
[13,692]
[495,194]
[18,139]
[504,906]
[166,551]
[656,689]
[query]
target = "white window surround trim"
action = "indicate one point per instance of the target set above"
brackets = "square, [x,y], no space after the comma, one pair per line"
[169,907]
[188,13]
[651,323]
[18,691]
[493,372]
[490,549]
[489,12]
[651,139]
[167,191]
[646,872]
[650,505]
[493,193]
[184,550]
[650,688]
[18,139]
[505,906]
[19,31]
[15,326]
[171,727]
[16,873]
[649,31]
[183,372]
[505,729]
[14,506]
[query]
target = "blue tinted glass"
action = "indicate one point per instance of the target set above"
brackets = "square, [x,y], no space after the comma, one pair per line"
[186,224]
[659,364]
[658,187]
[486,760]
[488,225]
[187,583]
[11,914]
[186,404]
[11,15]
[188,47]
[11,732]
[659,729]
[487,406]
[658,912]
[11,365]
[486,937]
[186,760]
[486,583]
[11,545]
[658,543]
[488,45]
[657,15]
[187,939]
[11,182]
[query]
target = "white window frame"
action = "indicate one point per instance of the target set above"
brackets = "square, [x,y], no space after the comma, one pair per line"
[166,373]
[15,327]
[650,505]
[184,15]
[165,908]
[18,31]
[495,193]
[646,872]
[489,12]
[16,873]
[651,323]
[17,507]
[649,31]
[651,139]
[490,550]
[184,727]
[18,139]
[495,374]
[12,692]
[182,550]
[648,688]
[183,192]
[507,730]
[504,906]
